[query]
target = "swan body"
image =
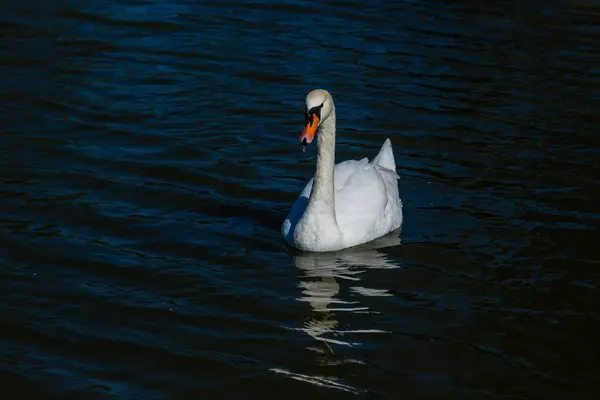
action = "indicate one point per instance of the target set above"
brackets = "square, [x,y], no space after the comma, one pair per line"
[345,204]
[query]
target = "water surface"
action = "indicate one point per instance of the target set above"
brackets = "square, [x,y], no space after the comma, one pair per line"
[149,155]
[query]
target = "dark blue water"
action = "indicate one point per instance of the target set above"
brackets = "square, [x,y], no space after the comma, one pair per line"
[149,154]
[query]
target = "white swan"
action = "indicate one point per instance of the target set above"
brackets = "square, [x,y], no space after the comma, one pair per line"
[353,202]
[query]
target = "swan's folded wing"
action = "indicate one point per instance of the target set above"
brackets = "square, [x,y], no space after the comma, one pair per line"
[360,205]
[346,169]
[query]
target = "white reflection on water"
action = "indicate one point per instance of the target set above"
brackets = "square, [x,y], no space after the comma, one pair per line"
[320,286]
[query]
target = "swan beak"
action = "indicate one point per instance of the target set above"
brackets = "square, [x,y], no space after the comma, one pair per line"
[308,133]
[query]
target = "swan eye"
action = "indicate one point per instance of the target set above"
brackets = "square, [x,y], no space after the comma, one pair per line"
[308,114]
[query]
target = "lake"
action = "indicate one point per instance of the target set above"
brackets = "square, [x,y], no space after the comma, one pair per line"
[149,154]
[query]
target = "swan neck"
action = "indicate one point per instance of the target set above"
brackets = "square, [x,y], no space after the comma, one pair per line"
[323,188]
[318,227]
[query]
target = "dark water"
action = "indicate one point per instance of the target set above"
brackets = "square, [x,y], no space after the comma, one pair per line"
[149,155]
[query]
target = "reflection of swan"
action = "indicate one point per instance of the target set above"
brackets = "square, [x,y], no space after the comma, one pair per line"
[320,285]
[320,288]
[347,204]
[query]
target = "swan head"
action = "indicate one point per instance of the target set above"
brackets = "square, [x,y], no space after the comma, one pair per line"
[319,105]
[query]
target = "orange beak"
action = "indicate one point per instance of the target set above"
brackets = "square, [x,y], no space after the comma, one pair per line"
[308,133]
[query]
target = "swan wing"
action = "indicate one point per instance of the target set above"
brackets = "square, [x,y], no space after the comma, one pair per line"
[368,204]
[360,205]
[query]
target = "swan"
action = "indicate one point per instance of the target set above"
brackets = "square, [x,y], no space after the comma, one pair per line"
[345,204]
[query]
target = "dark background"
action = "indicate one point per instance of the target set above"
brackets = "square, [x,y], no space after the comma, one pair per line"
[149,154]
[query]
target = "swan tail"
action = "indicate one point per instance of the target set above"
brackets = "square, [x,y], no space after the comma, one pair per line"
[385,157]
